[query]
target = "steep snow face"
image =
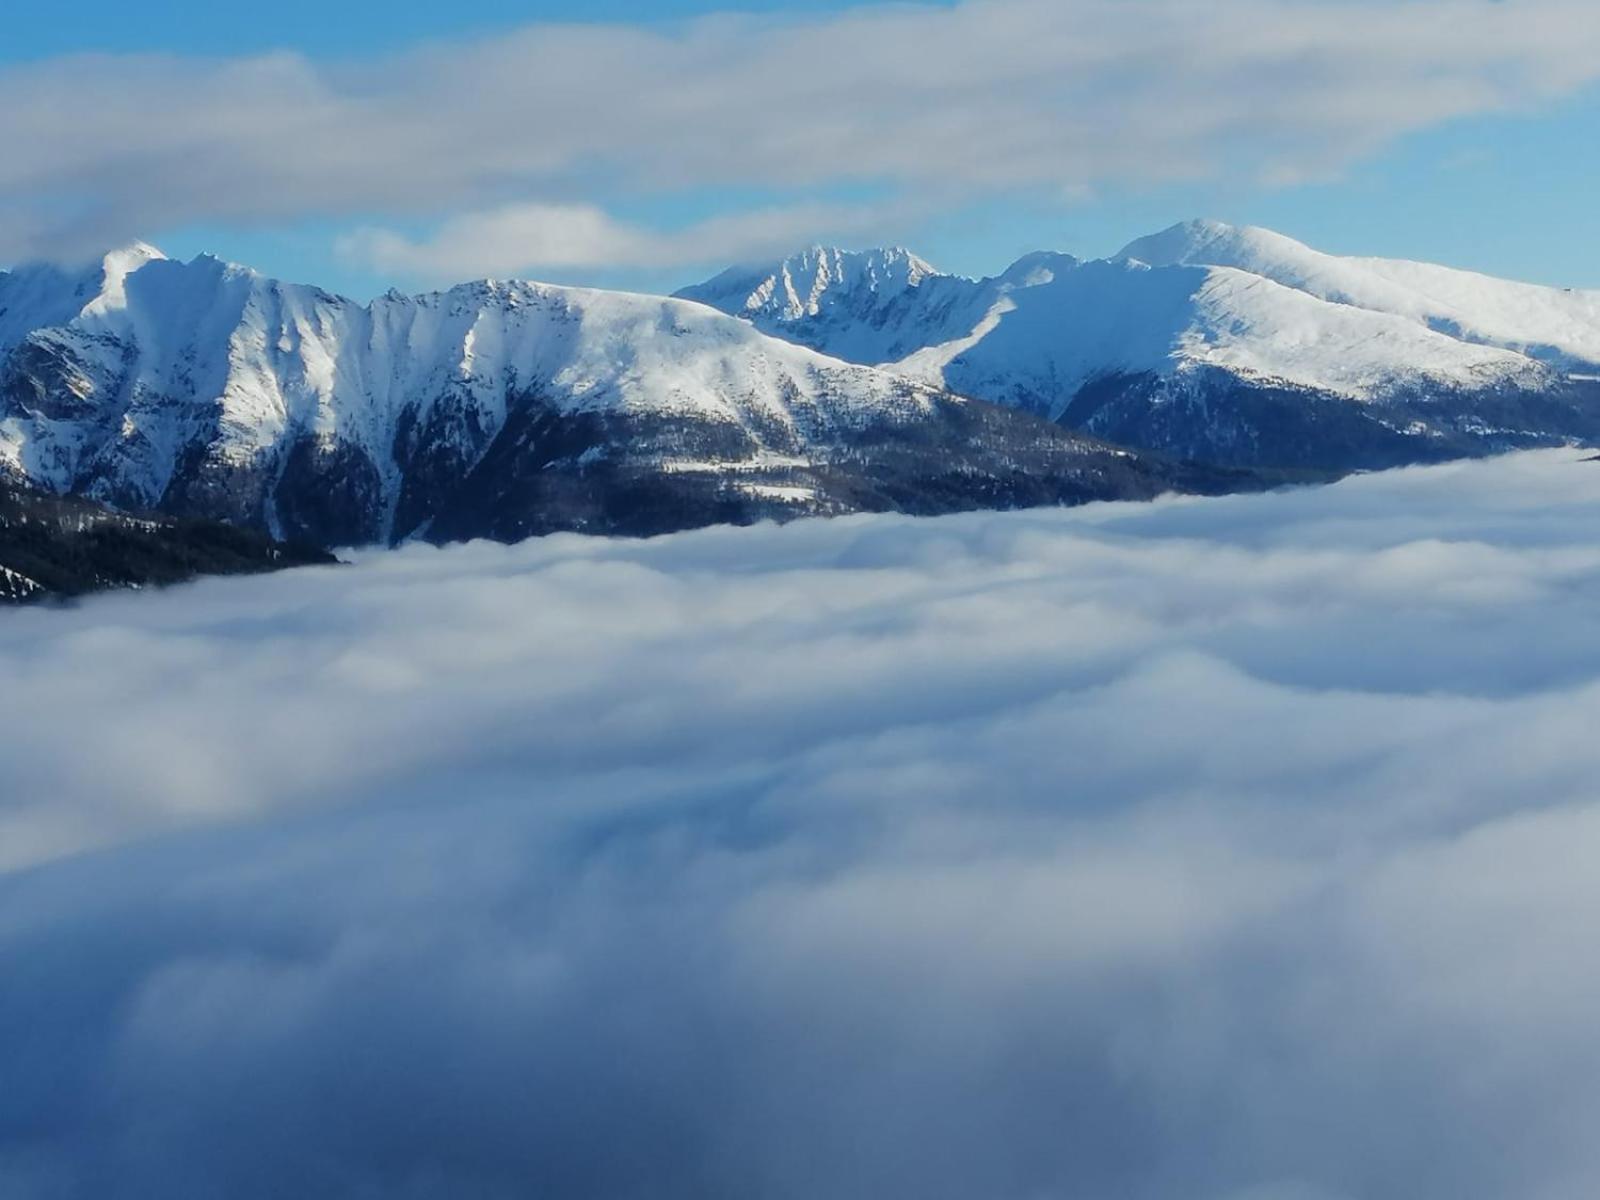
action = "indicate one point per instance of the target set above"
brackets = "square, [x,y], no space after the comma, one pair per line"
[586,350]
[813,281]
[41,295]
[147,375]
[870,306]
[1557,326]
[165,359]
[1200,296]
[203,388]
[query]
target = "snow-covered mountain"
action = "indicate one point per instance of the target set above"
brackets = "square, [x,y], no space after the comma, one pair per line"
[496,409]
[1225,344]
[831,382]
[1558,326]
[870,306]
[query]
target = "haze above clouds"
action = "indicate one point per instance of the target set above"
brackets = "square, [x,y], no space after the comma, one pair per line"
[487,155]
[1235,849]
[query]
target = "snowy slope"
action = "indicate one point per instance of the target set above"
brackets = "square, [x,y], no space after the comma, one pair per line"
[871,306]
[44,295]
[1039,345]
[170,355]
[814,281]
[1198,295]
[830,382]
[1257,339]
[1559,326]
[206,388]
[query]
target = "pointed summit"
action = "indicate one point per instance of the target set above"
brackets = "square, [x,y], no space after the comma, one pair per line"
[813,282]
[853,302]
[115,268]
[129,258]
[42,294]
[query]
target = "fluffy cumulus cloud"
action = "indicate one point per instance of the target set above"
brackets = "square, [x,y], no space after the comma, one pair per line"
[927,101]
[1234,849]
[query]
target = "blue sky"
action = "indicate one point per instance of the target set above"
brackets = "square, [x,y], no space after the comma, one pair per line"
[323,28]
[1492,169]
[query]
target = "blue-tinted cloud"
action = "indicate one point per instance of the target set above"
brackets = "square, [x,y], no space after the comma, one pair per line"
[1237,849]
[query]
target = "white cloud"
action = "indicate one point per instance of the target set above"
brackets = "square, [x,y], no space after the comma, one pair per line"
[1225,849]
[522,238]
[929,102]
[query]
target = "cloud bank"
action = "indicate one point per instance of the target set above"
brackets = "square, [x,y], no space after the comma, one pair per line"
[521,238]
[1237,849]
[928,103]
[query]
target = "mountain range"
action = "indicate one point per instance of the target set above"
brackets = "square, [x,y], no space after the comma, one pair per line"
[1205,358]
[1207,341]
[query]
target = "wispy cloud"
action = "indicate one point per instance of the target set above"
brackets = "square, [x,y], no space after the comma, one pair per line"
[976,98]
[522,238]
[1237,849]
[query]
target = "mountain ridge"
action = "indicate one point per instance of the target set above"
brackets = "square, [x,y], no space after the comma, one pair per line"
[493,408]
[1556,325]
[1237,344]
[832,382]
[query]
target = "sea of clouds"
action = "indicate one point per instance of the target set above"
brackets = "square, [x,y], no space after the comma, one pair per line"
[1236,849]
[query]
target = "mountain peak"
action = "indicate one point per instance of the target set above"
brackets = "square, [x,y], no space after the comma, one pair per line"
[1209,243]
[129,258]
[1038,267]
[1278,354]
[871,258]
[1179,243]
[115,268]
[108,272]
[813,281]
[41,294]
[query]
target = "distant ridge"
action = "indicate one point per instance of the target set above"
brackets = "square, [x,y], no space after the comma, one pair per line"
[496,409]
[1203,358]
[1227,344]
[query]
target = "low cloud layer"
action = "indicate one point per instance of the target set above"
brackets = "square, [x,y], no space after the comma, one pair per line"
[935,104]
[1232,849]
